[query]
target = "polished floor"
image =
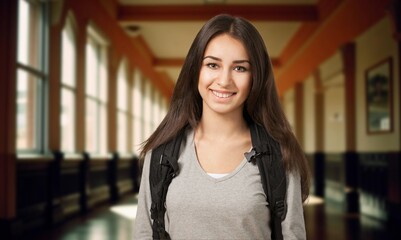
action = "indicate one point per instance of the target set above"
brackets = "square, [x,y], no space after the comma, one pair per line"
[116,223]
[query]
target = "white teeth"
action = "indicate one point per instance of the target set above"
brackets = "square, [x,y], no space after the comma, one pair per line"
[222,95]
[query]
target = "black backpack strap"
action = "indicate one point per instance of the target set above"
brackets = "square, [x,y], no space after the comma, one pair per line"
[163,168]
[267,153]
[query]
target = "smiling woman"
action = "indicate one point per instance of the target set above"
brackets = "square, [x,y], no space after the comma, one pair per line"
[225,76]
[226,88]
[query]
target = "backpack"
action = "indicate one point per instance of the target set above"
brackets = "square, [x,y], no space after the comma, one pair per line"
[265,151]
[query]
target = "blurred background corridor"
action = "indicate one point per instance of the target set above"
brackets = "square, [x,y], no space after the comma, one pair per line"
[84,82]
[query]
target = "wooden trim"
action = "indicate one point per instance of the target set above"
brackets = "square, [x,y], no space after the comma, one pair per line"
[54,87]
[168,84]
[8,28]
[276,62]
[394,10]
[178,62]
[348,52]
[168,62]
[326,7]
[349,20]
[112,64]
[271,12]
[80,130]
[122,44]
[298,40]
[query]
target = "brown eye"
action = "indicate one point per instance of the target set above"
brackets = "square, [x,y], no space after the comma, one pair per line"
[212,65]
[240,69]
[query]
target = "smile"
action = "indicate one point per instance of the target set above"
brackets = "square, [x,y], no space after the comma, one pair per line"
[222,95]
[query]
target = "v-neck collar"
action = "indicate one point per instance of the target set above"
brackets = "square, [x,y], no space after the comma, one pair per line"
[192,147]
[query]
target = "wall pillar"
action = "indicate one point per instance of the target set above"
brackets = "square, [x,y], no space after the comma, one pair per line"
[8,29]
[349,63]
[394,180]
[113,60]
[348,52]
[319,136]
[81,40]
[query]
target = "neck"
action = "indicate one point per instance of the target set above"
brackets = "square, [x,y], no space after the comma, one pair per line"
[221,126]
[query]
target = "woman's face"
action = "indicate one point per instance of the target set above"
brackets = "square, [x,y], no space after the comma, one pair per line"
[225,77]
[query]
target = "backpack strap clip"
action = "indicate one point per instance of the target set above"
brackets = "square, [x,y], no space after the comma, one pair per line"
[280,209]
[256,152]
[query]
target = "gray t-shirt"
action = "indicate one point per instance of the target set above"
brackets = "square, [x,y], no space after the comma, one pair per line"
[232,207]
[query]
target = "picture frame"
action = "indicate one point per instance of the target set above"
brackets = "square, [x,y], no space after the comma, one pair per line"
[379,99]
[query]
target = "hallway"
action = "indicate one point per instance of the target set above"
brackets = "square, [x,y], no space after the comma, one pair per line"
[116,222]
[84,83]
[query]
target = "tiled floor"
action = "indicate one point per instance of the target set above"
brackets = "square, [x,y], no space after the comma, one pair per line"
[322,223]
[106,223]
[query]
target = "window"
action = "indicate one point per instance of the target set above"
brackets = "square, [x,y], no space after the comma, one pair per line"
[157,98]
[96,92]
[31,76]
[137,109]
[122,107]
[164,108]
[148,122]
[68,86]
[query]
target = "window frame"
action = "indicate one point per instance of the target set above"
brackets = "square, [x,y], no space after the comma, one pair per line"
[123,68]
[137,115]
[70,27]
[39,73]
[96,39]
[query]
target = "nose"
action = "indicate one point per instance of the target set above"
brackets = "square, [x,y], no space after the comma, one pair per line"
[224,78]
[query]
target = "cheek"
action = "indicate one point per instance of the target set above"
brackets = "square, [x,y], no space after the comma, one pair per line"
[245,84]
[202,84]
[205,78]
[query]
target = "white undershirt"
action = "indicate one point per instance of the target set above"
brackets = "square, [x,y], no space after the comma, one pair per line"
[217,175]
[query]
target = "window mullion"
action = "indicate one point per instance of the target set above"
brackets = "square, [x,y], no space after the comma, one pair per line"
[31,70]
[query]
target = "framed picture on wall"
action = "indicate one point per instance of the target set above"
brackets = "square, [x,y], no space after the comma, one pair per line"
[379,103]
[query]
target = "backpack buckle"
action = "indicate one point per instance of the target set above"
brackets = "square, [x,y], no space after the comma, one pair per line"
[254,153]
[279,209]
[250,155]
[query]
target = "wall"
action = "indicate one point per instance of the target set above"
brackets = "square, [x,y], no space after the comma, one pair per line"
[289,107]
[309,116]
[334,103]
[373,46]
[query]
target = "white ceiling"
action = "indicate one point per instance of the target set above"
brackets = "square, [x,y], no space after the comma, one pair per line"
[172,39]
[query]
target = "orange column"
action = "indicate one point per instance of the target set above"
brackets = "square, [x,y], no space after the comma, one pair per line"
[113,60]
[394,13]
[319,112]
[54,87]
[318,166]
[350,158]
[349,63]
[8,29]
[80,135]
[394,195]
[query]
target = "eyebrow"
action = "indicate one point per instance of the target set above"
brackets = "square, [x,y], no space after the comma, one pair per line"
[235,61]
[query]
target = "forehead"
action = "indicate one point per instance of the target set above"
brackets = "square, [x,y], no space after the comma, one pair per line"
[224,45]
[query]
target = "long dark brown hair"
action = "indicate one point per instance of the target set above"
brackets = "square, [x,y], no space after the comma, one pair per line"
[262,105]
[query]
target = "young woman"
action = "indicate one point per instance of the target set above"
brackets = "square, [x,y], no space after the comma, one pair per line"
[226,82]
